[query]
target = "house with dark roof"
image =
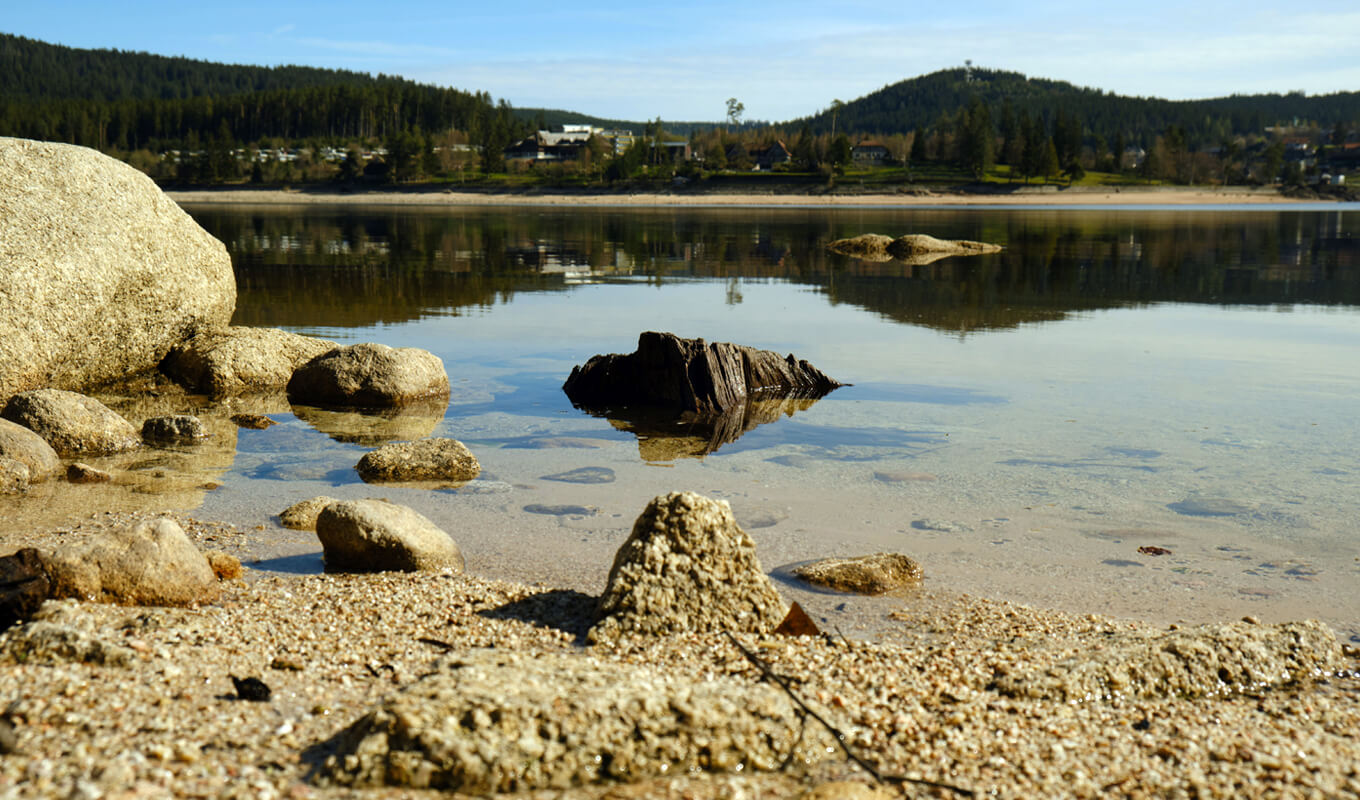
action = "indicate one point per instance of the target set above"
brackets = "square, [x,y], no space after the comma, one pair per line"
[870,152]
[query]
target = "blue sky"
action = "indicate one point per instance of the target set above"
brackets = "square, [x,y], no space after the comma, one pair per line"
[783,60]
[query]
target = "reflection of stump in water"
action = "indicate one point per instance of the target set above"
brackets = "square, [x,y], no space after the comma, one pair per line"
[370,427]
[666,437]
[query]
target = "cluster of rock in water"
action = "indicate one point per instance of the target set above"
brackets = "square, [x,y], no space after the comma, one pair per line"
[686,569]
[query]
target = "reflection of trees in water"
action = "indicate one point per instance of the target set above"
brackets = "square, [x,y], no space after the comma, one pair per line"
[359,267]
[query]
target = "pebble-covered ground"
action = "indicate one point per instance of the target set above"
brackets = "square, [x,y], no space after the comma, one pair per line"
[161,716]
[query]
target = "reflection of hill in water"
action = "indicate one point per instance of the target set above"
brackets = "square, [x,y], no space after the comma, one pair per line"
[355,267]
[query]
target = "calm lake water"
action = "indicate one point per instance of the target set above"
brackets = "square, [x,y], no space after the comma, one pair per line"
[1023,423]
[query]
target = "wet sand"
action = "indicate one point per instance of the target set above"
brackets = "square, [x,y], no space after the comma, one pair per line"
[1080,196]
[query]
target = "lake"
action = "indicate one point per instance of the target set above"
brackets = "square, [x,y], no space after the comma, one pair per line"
[1036,425]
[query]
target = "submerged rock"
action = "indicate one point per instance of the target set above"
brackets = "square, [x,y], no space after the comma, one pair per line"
[686,568]
[372,375]
[72,423]
[237,359]
[14,476]
[875,574]
[152,563]
[78,472]
[1198,662]
[377,536]
[101,274]
[916,249]
[492,722]
[174,429]
[681,375]
[425,460]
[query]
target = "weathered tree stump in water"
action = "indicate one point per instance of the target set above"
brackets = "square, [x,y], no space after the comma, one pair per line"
[691,375]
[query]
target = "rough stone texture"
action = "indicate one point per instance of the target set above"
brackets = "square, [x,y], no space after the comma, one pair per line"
[686,567]
[238,359]
[84,473]
[257,422]
[850,790]
[916,249]
[691,375]
[72,423]
[43,642]
[875,574]
[494,722]
[23,586]
[152,563]
[301,516]
[14,476]
[100,272]
[21,444]
[1207,660]
[225,566]
[377,536]
[174,428]
[369,375]
[425,460]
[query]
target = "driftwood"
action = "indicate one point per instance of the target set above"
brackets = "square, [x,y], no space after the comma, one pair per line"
[836,733]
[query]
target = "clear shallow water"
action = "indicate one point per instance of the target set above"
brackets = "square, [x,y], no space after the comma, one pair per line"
[1022,422]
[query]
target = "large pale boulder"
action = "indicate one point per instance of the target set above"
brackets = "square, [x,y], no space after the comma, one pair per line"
[687,568]
[377,536]
[72,423]
[369,374]
[30,449]
[100,273]
[151,563]
[238,359]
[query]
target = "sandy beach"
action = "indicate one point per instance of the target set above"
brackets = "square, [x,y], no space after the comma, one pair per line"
[421,196]
[970,696]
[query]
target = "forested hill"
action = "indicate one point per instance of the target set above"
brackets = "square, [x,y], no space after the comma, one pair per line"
[921,103]
[38,70]
[119,101]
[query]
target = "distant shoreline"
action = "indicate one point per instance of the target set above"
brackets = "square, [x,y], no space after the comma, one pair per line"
[446,196]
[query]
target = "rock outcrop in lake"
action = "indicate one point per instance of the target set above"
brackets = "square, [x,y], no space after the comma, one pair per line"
[913,249]
[686,568]
[238,360]
[101,274]
[369,375]
[439,459]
